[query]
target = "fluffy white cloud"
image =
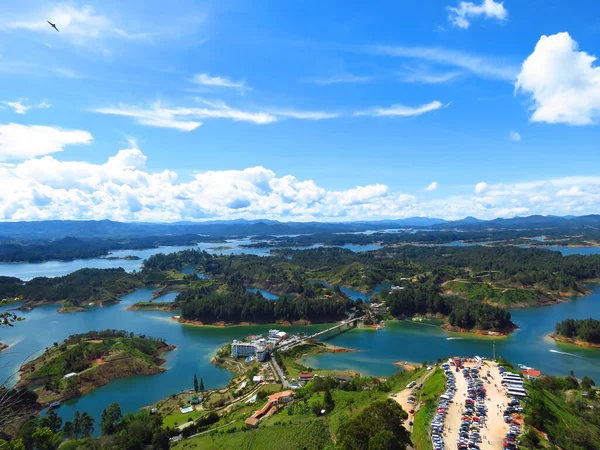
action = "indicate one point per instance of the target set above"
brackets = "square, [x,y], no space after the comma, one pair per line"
[514,136]
[123,188]
[20,108]
[459,16]
[79,24]
[341,78]
[28,141]
[432,187]
[402,110]
[481,187]
[205,79]
[562,82]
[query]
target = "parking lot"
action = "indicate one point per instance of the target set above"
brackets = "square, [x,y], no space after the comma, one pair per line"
[471,411]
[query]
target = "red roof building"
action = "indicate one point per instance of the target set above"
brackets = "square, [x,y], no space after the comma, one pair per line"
[531,374]
[305,376]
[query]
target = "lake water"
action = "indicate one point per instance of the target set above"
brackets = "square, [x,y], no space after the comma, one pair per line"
[399,341]
[415,342]
[266,294]
[378,350]
[27,271]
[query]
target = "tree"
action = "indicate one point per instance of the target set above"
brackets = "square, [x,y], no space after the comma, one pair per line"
[372,423]
[328,401]
[15,444]
[196,383]
[587,383]
[52,421]
[384,440]
[201,385]
[45,439]
[76,425]
[111,417]
[86,425]
[68,429]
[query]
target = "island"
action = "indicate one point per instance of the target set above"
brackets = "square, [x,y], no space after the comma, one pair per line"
[123,258]
[84,362]
[584,333]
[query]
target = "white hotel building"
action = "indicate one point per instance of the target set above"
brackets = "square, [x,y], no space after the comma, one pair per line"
[244,349]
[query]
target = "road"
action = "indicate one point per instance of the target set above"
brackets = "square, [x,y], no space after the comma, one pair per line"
[284,383]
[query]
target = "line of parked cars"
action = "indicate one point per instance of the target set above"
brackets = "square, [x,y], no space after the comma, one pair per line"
[437,424]
[511,439]
[475,412]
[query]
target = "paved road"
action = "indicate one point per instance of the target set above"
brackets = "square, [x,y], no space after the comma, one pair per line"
[284,382]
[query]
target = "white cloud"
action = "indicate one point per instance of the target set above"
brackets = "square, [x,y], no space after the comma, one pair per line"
[478,65]
[20,108]
[78,24]
[190,118]
[20,142]
[185,118]
[122,188]
[205,79]
[481,187]
[561,81]
[415,75]
[306,115]
[401,110]
[432,187]
[459,16]
[514,136]
[341,78]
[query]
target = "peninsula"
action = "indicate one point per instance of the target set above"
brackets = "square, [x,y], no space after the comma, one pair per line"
[584,333]
[84,362]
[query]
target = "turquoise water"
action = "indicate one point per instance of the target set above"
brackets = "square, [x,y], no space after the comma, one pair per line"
[195,347]
[378,350]
[354,294]
[266,294]
[414,342]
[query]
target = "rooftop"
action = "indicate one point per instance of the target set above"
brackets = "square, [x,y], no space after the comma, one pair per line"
[531,372]
[279,395]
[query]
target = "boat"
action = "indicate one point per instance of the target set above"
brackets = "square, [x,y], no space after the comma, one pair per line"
[55,405]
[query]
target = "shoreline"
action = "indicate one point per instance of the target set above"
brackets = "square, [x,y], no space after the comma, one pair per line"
[282,323]
[156,369]
[573,341]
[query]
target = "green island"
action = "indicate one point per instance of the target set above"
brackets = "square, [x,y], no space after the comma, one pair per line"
[84,362]
[585,332]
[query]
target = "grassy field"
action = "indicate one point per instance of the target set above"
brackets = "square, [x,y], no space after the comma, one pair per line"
[432,389]
[310,435]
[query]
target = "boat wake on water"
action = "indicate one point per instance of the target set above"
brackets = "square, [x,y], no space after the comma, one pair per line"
[453,338]
[564,353]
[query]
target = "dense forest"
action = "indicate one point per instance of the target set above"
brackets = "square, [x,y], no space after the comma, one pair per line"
[587,330]
[77,288]
[70,248]
[236,305]
[425,298]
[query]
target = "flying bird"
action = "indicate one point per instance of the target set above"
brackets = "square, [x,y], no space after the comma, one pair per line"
[53,25]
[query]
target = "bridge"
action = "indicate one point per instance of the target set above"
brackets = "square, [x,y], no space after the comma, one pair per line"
[350,323]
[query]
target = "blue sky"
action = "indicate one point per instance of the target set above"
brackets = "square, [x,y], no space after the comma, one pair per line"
[187,110]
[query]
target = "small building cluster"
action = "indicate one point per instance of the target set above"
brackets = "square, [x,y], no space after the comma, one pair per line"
[274,400]
[257,346]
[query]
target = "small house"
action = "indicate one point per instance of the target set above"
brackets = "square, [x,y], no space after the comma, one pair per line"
[281,397]
[305,376]
[531,374]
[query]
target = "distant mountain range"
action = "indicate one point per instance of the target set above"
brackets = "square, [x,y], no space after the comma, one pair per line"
[56,229]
